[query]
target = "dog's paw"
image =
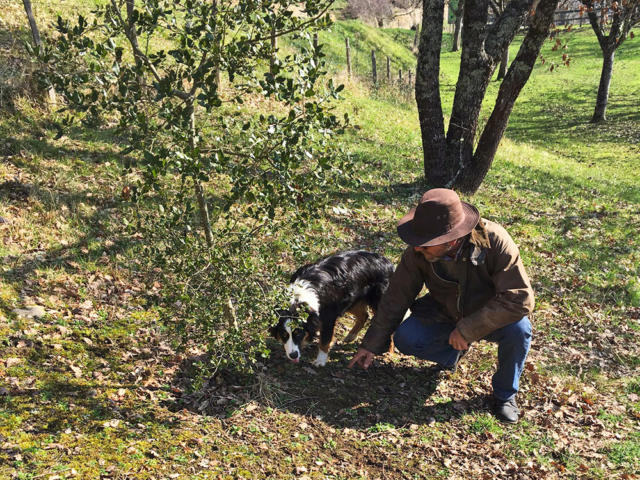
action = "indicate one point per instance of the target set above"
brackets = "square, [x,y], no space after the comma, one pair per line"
[321,359]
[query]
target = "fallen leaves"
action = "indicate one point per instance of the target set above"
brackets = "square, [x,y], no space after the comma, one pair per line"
[77,371]
[33,311]
[113,423]
[12,361]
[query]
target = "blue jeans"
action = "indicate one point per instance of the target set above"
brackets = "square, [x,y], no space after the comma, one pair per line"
[430,341]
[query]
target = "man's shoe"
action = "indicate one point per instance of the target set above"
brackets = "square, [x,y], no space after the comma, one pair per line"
[506,411]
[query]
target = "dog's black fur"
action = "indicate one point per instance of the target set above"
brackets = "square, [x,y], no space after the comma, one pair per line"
[345,282]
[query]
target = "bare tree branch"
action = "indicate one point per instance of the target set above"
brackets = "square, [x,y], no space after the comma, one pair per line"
[138,53]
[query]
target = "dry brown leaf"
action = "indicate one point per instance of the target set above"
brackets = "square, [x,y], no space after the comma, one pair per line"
[10,362]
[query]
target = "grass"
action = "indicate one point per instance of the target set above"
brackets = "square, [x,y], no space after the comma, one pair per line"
[392,43]
[626,451]
[96,387]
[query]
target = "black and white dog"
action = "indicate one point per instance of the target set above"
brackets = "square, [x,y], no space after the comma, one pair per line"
[345,282]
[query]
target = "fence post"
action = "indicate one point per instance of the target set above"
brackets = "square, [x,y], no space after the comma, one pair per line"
[410,78]
[373,67]
[348,57]
[388,70]
[400,76]
[416,37]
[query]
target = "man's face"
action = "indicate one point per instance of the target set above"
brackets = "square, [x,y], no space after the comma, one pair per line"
[437,252]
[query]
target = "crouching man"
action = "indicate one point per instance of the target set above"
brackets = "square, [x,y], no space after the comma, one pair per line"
[478,290]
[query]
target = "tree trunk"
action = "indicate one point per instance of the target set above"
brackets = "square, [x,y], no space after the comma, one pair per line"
[416,38]
[476,69]
[623,18]
[447,157]
[428,92]
[204,212]
[599,115]
[504,64]
[457,32]
[274,47]
[131,31]
[35,33]
[517,76]
[202,201]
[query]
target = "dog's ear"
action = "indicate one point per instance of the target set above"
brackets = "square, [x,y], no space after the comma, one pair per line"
[273,331]
[313,323]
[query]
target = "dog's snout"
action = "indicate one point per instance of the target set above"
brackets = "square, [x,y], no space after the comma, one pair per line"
[293,355]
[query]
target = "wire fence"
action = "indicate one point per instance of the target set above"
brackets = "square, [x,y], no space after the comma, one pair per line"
[381,70]
[570,17]
[378,69]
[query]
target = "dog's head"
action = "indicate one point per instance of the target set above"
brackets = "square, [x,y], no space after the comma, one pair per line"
[293,337]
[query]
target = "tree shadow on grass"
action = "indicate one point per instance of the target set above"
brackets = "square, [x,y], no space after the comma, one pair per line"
[382,194]
[59,405]
[35,136]
[571,115]
[561,188]
[364,231]
[395,391]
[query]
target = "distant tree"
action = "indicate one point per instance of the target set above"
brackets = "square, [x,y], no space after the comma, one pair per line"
[376,10]
[379,10]
[611,22]
[497,7]
[454,158]
[456,7]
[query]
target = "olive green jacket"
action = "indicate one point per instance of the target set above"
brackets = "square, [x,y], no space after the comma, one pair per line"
[485,288]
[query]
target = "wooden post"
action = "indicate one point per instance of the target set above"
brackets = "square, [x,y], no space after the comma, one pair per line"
[374,72]
[315,41]
[410,78]
[388,70]
[348,57]
[400,76]
[416,38]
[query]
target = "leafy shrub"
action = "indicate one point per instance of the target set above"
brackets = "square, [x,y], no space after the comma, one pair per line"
[217,169]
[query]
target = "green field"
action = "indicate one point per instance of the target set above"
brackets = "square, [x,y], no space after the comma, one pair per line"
[96,389]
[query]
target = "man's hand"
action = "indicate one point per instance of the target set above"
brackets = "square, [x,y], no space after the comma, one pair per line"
[457,341]
[363,357]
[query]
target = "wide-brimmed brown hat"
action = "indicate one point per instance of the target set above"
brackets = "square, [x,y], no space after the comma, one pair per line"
[439,218]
